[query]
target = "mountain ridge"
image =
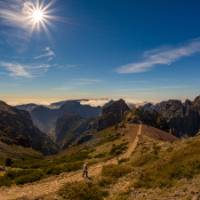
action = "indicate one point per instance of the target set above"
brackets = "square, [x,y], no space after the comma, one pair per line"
[16,127]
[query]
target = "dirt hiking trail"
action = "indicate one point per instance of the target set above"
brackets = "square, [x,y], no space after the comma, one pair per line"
[54,183]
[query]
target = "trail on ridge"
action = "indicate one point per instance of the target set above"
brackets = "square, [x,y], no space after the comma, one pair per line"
[54,183]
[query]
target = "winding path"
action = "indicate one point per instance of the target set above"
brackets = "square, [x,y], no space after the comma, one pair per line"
[54,183]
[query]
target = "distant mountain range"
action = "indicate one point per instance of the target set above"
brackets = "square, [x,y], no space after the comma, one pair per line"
[65,122]
[62,120]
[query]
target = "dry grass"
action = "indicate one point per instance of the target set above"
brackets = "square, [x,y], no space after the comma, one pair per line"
[163,167]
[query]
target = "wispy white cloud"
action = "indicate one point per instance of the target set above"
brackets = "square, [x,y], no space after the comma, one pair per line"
[24,70]
[48,53]
[12,13]
[161,56]
[66,66]
[16,69]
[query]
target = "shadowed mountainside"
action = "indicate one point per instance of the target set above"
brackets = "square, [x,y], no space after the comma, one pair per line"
[181,119]
[112,113]
[16,127]
[45,118]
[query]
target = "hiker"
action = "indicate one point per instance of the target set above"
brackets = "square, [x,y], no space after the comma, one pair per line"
[85,171]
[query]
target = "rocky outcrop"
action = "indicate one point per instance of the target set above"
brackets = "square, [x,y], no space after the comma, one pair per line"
[196,104]
[181,119]
[16,127]
[112,113]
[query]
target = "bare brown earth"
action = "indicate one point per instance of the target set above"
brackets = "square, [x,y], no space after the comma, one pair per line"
[52,184]
[158,134]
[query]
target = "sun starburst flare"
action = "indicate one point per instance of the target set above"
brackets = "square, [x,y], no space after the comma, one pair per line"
[37,15]
[29,15]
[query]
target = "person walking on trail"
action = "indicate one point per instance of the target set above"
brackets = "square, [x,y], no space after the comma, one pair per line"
[85,171]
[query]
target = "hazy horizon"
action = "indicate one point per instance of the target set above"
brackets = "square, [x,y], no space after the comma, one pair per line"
[90,101]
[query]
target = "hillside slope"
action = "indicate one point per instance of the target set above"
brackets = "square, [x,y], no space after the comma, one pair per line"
[16,127]
[52,184]
[16,152]
[140,137]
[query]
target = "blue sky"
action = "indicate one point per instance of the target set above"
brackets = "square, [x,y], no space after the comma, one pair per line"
[139,50]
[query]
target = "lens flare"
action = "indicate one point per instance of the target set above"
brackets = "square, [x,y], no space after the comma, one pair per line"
[37,15]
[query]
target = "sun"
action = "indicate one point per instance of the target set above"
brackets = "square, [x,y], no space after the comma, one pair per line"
[38,15]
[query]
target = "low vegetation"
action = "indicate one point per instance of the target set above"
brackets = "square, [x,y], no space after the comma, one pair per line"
[82,191]
[29,169]
[25,168]
[164,169]
[116,171]
[97,189]
[108,135]
[118,149]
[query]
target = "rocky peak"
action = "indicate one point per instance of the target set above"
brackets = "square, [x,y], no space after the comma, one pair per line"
[196,104]
[182,119]
[119,107]
[170,108]
[188,102]
[112,113]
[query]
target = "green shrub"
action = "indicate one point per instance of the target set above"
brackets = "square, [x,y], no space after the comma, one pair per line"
[5,181]
[54,170]
[68,167]
[144,159]
[105,181]
[100,155]
[24,176]
[82,191]
[12,173]
[123,160]
[75,157]
[29,178]
[118,149]
[30,163]
[116,171]
[8,162]
[113,136]
[35,171]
